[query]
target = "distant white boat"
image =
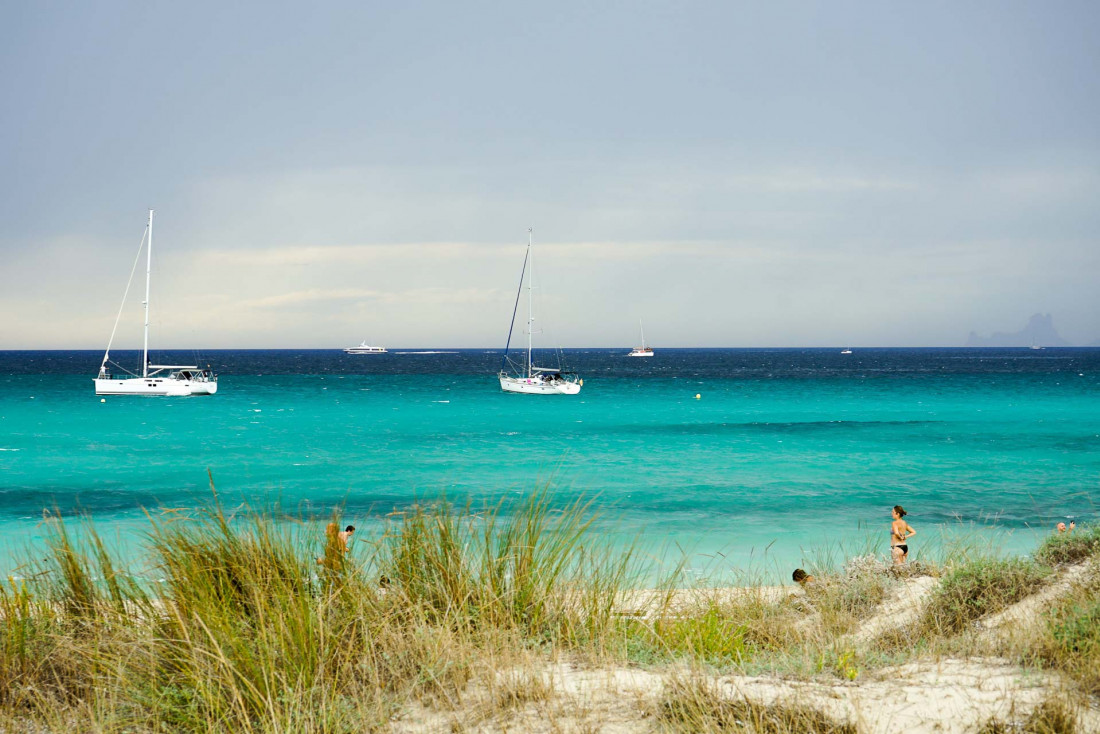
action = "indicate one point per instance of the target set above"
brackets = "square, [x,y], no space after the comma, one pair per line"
[365,348]
[525,377]
[155,379]
[846,350]
[642,351]
[1036,346]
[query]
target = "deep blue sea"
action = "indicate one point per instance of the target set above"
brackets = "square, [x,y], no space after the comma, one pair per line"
[787,457]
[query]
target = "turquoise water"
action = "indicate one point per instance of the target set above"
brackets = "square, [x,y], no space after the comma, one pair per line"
[786,456]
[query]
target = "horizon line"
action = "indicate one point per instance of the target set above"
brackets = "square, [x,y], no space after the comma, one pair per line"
[391,350]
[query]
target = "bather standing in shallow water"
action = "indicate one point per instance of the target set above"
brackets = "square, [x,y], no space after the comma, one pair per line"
[900,532]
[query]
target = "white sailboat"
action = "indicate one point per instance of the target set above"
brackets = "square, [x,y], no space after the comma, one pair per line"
[365,348]
[846,350]
[525,377]
[642,351]
[155,379]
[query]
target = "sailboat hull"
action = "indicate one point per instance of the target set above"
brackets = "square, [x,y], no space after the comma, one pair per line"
[538,386]
[155,386]
[156,380]
[527,379]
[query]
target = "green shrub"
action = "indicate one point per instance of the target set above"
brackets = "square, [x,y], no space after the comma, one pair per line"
[845,601]
[714,636]
[1078,629]
[981,587]
[1072,547]
[1072,636]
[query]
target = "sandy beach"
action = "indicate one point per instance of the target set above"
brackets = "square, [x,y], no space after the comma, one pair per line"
[933,693]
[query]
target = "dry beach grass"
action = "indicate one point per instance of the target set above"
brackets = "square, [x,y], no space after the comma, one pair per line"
[521,621]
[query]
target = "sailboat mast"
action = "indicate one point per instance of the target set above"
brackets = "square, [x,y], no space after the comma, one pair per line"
[530,300]
[643,332]
[148,271]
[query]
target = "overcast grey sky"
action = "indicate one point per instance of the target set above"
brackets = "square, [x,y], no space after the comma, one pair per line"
[734,174]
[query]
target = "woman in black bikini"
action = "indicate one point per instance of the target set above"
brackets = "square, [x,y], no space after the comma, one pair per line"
[900,532]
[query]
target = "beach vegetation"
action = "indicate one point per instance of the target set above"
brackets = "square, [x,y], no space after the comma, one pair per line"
[517,688]
[533,570]
[242,627]
[249,621]
[693,703]
[979,587]
[1067,638]
[843,663]
[1072,547]
[717,635]
[1053,715]
[844,600]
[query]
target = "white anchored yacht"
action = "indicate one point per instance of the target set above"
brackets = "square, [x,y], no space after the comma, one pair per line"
[642,351]
[523,376]
[155,379]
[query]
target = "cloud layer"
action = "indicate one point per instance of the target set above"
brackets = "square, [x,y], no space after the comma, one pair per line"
[787,175]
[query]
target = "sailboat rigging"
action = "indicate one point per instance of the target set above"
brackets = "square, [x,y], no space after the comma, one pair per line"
[642,351]
[523,376]
[155,379]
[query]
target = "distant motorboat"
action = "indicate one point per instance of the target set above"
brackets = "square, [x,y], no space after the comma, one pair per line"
[524,377]
[846,350]
[365,348]
[155,379]
[642,351]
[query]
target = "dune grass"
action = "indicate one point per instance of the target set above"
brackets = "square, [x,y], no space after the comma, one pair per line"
[1067,636]
[1063,637]
[247,631]
[1070,547]
[1055,715]
[979,587]
[692,703]
[717,635]
[239,627]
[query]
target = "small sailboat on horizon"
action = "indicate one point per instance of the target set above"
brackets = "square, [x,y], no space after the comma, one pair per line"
[155,379]
[642,351]
[524,377]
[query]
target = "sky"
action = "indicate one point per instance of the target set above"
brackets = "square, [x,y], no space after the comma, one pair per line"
[731,174]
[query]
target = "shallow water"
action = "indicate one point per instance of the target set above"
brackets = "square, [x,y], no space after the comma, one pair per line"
[786,457]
